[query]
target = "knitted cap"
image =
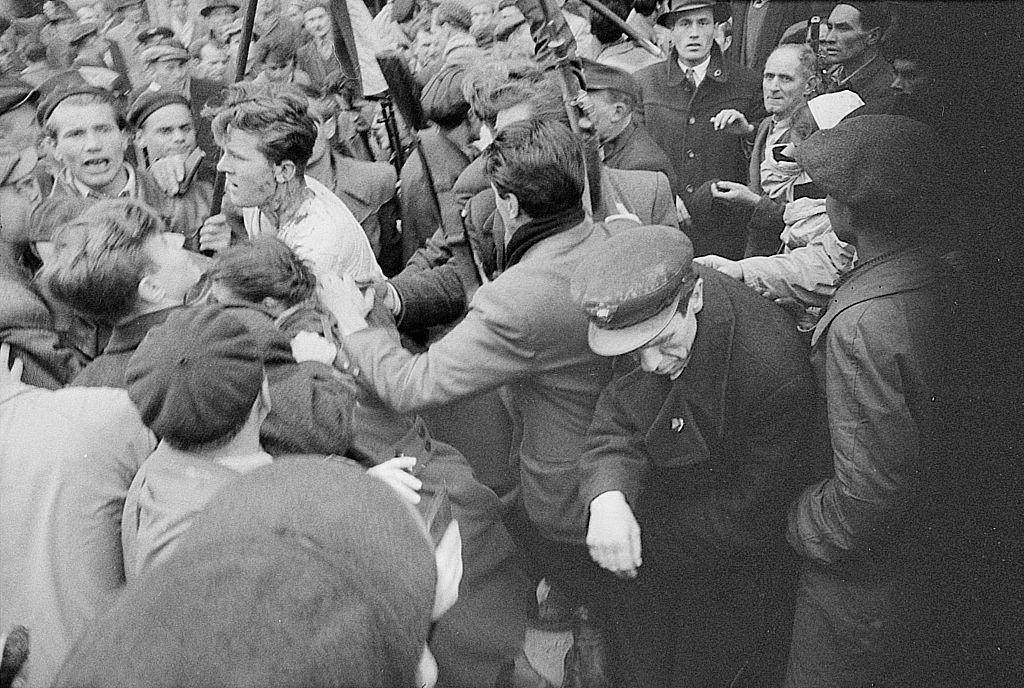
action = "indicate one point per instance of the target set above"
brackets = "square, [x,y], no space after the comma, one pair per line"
[195,378]
[453,12]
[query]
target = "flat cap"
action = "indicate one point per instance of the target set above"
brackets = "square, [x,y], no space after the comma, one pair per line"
[79,32]
[171,50]
[874,161]
[149,101]
[152,32]
[677,7]
[15,164]
[630,286]
[211,5]
[195,377]
[14,93]
[602,77]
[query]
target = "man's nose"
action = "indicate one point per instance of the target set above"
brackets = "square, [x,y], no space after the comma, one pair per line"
[222,164]
[92,140]
[898,84]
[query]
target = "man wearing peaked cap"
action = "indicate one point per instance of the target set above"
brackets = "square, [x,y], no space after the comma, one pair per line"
[687,462]
[880,531]
[613,96]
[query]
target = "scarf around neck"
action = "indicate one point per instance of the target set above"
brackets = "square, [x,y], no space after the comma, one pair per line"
[536,231]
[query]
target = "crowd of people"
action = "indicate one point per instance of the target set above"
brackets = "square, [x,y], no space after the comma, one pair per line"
[485,343]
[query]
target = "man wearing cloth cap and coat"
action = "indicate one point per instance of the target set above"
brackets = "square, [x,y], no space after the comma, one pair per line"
[700,442]
[878,532]
[681,112]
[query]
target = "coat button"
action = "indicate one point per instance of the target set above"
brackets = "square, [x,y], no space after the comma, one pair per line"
[692,120]
[718,72]
[689,188]
[690,154]
[678,424]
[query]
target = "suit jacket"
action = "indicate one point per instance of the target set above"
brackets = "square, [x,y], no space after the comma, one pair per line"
[778,16]
[522,331]
[679,120]
[707,461]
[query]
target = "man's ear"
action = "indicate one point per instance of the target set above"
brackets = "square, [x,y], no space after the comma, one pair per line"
[151,291]
[330,126]
[126,138]
[448,556]
[512,203]
[621,112]
[284,171]
[697,296]
[812,86]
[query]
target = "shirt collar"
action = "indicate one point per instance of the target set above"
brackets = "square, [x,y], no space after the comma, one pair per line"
[130,189]
[699,72]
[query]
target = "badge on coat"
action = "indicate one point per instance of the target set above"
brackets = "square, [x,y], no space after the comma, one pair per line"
[678,424]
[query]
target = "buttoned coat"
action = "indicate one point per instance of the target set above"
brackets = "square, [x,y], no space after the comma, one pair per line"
[707,462]
[679,120]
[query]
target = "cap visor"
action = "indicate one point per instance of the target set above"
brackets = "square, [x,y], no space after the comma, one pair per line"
[605,342]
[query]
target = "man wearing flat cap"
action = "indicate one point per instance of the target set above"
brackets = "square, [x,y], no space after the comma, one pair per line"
[613,96]
[878,532]
[166,66]
[851,47]
[682,99]
[688,463]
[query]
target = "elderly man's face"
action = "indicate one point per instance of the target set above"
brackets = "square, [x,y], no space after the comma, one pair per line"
[692,35]
[168,131]
[89,143]
[482,14]
[846,40]
[784,85]
[249,175]
[170,74]
[278,72]
[317,23]
[18,128]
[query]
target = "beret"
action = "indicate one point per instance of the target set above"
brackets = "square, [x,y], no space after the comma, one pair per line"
[630,286]
[677,7]
[602,77]
[880,161]
[70,84]
[195,378]
[211,5]
[149,101]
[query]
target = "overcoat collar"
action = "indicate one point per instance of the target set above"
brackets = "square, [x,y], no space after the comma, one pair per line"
[906,270]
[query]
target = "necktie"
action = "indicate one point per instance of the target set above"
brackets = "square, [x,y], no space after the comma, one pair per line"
[690,79]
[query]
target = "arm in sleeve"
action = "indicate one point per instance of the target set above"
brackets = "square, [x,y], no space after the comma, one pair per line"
[489,348]
[808,274]
[614,457]
[664,210]
[875,446]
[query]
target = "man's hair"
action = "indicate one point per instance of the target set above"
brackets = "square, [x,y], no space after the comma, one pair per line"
[604,30]
[281,47]
[264,267]
[489,83]
[804,53]
[276,113]
[313,4]
[614,95]
[101,259]
[541,162]
[80,99]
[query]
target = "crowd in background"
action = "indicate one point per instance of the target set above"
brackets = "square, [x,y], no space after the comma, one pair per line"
[503,343]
